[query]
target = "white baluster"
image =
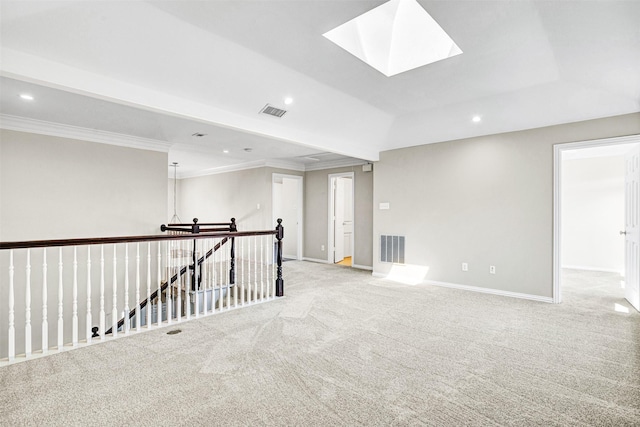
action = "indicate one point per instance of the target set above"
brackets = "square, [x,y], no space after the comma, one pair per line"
[262,268]
[127,323]
[60,302]
[45,322]
[169,296]
[159,294]
[74,302]
[203,279]
[88,331]
[195,278]
[114,308]
[248,264]
[138,320]
[185,281]
[148,285]
[11,334]
[102,313]
[213,279]
[178,286]
[255,268]
[27,300]
[249,261]
[273,268]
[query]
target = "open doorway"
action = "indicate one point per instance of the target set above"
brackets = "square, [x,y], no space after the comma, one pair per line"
[287,196]
[596,229]
[341,219]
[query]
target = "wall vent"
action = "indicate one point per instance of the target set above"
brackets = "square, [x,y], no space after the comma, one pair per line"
[273,111]
[392,249]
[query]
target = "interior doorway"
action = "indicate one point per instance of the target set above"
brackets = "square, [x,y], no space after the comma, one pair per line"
[287,198]
[596,213]
[341,219]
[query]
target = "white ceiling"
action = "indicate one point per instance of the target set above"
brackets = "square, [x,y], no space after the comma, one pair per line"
[163,70]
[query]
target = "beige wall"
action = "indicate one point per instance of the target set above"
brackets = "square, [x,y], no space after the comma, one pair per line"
[215,198]
[219,197]
[485,201]
[54,188]
[317,211]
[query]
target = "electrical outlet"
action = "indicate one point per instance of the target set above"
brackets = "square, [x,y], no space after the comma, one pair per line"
[465,266]
[322,248]
[492,269]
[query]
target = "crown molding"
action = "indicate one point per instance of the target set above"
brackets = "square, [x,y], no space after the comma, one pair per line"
[279,164]
[331,164]
[23,124]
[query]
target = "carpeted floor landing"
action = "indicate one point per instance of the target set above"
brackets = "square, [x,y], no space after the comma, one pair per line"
[346,349]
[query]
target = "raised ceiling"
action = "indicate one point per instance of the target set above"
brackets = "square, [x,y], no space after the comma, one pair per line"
[164,70]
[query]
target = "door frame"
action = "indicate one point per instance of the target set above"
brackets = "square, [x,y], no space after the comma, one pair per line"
[558,149]
[330,230]
[300,218]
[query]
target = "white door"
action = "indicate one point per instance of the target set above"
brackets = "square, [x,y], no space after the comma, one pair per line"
[338,215]
[632,228]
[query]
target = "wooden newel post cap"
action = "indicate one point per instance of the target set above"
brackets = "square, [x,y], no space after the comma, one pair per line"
[233,225]
[280,230]
[163,227]
[195,220]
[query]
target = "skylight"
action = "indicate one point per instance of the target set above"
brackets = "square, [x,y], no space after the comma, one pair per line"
[395,37]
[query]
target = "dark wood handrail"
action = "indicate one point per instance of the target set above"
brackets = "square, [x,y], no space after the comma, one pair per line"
[128,239]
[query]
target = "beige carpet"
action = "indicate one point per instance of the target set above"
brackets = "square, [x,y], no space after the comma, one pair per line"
[346,349]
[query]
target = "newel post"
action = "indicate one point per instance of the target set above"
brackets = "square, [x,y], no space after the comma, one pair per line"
[232,270]
[279,237]
[195,229]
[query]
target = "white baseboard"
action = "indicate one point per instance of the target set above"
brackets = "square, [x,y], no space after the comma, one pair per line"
[480,290]
[321,261]
[490,291]
[604,270]
[362,267]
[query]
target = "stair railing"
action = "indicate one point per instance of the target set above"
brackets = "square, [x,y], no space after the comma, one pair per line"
[89,284]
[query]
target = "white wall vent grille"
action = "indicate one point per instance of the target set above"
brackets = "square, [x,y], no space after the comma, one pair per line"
[273,111]
[392,249]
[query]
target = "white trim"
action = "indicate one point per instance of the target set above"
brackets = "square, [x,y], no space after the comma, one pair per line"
[319,261]
[490,291]
[22,124]
[278,164]
[557,204]
[274,163]
[586,268]
[476,289]
[330,231]
[362,267]
[331,164]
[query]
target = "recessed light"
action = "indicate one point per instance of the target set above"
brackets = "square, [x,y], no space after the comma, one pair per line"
[225,151]
[26,97]
[476,119]
[288,101]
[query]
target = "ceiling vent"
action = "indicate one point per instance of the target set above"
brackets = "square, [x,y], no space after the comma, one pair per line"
[273,111]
